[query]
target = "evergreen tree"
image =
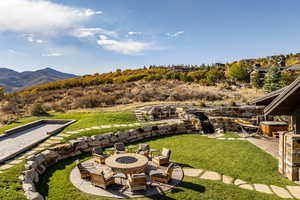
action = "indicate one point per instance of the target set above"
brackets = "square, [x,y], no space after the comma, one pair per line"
[256,81]
[272,79]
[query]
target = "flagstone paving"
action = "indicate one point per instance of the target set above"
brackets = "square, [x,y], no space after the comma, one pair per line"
[290,192]
[263,188]
[239,182]
[294,190]
[227,179]
[246,186]
[281,192]
[211,176]
[192,172]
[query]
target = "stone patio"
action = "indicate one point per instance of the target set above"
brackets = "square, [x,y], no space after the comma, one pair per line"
[116,190]
[267,144]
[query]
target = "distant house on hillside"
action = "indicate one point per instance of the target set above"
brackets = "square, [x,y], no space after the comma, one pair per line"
[294,68]
[184,69]
[261,72]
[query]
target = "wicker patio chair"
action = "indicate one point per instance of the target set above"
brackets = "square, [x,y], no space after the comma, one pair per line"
[164,158]
[119,147]
[162,176]
[102,180]
[144,149]
[84,173]
[98,155]
[137,182]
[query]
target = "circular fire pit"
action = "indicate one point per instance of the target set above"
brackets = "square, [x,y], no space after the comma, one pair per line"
[127,163]
[126,160]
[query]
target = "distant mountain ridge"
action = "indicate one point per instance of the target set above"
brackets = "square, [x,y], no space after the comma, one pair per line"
[12,80]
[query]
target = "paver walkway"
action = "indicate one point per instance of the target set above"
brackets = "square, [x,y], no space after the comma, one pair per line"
[287,192]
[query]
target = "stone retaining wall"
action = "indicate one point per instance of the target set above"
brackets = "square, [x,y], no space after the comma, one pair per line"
[219,117]
[36,165]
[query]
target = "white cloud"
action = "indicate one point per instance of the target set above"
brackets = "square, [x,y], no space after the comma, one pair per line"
[90,32]
[134,33]
[129,47]
[90,12]
[31,38]
[175,34]
[39,16]
[53,54]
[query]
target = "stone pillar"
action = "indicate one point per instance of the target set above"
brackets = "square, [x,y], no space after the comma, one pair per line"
[296,121]
[289,155]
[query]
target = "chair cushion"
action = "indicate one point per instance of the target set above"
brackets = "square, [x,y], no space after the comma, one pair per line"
[166,152]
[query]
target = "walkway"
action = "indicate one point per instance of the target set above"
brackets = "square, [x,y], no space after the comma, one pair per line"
[287,192]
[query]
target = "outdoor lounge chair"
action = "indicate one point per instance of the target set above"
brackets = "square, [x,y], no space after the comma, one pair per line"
[98,155]
[137,182]
[84,173]
[144,149]
[102,180]
[163,158]
[162,176]
[119,147]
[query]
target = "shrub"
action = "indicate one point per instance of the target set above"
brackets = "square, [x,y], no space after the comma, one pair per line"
[232,104]
[37,110]
[238,72]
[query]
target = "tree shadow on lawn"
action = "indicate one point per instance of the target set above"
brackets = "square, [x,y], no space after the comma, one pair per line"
[43,186]
[183,184]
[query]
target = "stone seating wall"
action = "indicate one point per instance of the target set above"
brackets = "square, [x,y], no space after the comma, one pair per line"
[36,165]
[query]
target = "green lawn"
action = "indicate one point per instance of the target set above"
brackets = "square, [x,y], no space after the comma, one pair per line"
[234,158]
[229,134]
[10,185]
[84,120]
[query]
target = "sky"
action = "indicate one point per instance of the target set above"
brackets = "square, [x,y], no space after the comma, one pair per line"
[95,36]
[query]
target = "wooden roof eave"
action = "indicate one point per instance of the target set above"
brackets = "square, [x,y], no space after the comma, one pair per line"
[268,97]
[283,96]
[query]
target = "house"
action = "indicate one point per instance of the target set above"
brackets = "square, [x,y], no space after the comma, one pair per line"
[294,68]
[285,102]
[261,72]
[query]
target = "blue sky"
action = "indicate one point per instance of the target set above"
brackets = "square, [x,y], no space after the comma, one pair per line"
[90,36]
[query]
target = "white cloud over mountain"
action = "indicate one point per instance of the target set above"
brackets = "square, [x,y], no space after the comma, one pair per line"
[128,47]
[40,16]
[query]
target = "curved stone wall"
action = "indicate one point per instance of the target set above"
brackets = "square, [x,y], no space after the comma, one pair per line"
[36,165]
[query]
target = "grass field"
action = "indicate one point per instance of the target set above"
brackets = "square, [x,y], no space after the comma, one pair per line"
[84,119]
[234,158]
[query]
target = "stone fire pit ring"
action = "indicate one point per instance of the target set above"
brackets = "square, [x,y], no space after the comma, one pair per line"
[127,163]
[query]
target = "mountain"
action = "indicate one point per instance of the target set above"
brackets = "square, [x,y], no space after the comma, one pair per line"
[12,80]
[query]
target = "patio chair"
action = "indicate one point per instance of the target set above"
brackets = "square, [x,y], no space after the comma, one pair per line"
[144,149]
[101,180]
[119,148]
[162,176]
[163,158]
[84,173]
[98,155]
[137,182]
